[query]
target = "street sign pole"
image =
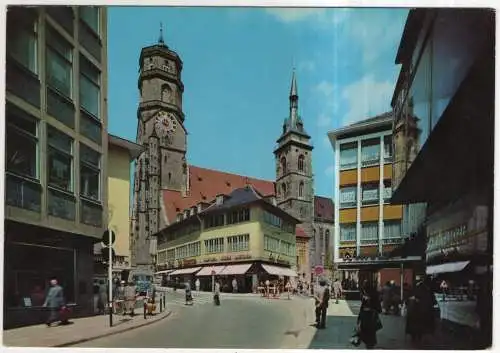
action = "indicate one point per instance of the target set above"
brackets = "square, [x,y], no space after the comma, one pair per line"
[110,275]
[108,238]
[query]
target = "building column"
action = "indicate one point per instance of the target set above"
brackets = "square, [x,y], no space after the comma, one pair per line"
[336,189]
[381,196]
[358,201]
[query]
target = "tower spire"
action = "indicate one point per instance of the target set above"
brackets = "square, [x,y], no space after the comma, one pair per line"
[160,39]
[294,102]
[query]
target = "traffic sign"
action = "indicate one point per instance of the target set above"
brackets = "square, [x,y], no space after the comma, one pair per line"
[318,270]
[105,253]
[107,235]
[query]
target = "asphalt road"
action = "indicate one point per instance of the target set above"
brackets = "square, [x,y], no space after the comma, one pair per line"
[240,322]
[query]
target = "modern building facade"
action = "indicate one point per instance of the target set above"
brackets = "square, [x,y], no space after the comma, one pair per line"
[121,153]
[241,236]
[444,105]
[56,153]
[367,226]
[165,184]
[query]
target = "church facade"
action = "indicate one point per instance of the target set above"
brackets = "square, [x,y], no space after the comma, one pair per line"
[167,188]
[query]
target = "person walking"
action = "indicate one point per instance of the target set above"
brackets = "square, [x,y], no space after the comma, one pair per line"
[234,284]
[197,285]
[189,295]
[321,304]
[103,297]
[217,293]
[130,297]
[420,319]
[54,301]
[368,322]
[337,290]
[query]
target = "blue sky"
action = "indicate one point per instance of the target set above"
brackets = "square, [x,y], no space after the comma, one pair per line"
[237,71]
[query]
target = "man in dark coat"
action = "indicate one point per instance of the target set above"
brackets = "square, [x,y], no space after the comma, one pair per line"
[54,301]
[321,296]
[421,316]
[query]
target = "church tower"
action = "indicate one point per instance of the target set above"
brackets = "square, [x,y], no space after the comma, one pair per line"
[294,178]
[160,129]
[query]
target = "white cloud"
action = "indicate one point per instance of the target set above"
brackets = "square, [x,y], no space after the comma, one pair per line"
[329,171]
[295,14]
[329,100]
[367,98]
[326,88]
[319,15]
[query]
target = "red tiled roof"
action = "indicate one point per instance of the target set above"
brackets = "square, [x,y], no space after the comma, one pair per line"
[323,209]
[205,185]
[299,233]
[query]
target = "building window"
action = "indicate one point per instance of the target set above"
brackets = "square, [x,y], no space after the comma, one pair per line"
[272,219]
[301,163]
[283,166]
[60,159]
[392,232]
[214,221]
[22,40]
[91,213]
[370,152]
[301,189]
[271,244]
[348,155]
[22,143]
[238,216]
[162,257]
[23,188]
[214,246]
[348,197]
[170,254]
[387,191]
[59,63]
[348,232]
[388,149]
[90,172]
[89,87]
[239,243]
[90,15]
[369,232]
[370,194]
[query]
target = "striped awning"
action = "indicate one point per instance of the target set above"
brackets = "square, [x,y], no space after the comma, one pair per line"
[279,271]
[207,270]
[239,269]
[185,271]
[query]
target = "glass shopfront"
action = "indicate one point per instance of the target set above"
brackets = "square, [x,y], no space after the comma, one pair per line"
[29,269]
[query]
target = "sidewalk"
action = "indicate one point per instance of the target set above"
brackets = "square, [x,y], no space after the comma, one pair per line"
[341,320]
[79,330]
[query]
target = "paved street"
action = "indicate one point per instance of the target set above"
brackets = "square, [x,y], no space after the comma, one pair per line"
[240,322]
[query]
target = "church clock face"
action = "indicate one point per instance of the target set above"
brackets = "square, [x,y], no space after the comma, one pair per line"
[165,124]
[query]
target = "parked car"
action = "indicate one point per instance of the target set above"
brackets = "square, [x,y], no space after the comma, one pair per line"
[143,281]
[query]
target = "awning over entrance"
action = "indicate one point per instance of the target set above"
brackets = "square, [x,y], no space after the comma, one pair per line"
[165,272]
[185,271]
[447,268]
[207,270]
[279,271]
[240,269]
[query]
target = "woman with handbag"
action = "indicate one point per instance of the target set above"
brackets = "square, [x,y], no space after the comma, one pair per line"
[368,319]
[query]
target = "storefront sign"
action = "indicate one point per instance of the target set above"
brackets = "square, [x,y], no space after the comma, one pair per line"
[189,262]
[243,256]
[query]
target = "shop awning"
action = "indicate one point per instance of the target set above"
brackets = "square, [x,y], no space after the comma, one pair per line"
[207,270]
[185,271]
[240,269]
[279,271]
[165,272]
[447,267]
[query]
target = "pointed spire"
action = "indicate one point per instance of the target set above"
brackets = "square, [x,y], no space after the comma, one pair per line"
[293,88]
[160,39]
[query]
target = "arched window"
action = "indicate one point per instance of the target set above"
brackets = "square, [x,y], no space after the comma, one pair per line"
[283,189]
[301,189]
[301,163]
[283,165]
[166,94]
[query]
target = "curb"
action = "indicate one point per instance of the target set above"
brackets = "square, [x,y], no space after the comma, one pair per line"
[148,322]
